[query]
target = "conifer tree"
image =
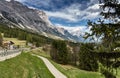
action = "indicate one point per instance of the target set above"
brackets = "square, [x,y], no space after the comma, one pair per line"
[59,52]
[109,31]
[1,39]
[29,38]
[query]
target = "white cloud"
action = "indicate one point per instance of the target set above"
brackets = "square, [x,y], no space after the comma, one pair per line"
[76,30]
[93,7]
[61,15]
[91,16]
[44,3]
[92,2]
[20,0]
[16,0]
[73,13]
[79,31]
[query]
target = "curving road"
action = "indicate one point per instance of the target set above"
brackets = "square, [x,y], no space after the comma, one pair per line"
[56,73]
[8,54]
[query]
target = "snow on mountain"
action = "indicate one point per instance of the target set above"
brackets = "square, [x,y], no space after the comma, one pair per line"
[8,0]
[78,31]
[17,14]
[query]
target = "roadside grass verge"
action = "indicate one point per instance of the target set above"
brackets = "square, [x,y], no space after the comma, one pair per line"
[24,66]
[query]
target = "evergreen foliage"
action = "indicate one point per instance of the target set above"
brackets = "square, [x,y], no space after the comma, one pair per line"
[59,52]
[110,5]
[14,32]
[29,38]
[87,59]
[1,39]
[109,33]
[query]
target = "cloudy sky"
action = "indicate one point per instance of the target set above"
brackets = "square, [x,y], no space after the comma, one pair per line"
[73,13]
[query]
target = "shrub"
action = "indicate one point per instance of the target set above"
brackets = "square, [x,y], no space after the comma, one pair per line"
[107,74]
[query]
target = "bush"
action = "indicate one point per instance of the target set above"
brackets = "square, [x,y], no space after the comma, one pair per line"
[107,74]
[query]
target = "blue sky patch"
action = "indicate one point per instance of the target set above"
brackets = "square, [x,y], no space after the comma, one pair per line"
[67,12]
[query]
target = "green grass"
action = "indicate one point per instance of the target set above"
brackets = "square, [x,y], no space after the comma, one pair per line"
[68,70]
[40,52]
[24,66]
[73,72]
[118,72]
[16,41]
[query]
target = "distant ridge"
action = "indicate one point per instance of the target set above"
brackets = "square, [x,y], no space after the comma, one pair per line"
[15,13]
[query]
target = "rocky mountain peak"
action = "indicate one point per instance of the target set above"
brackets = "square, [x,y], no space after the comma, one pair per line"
[17,14]
[12,0]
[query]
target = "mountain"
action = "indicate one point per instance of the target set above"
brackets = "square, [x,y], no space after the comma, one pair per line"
[16,14]
[79,31]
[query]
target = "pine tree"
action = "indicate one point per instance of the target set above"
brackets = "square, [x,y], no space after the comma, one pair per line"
[59,52]
[29,38]
[109,31]
[110,8]
[1,39]
[111,12]
[86,58]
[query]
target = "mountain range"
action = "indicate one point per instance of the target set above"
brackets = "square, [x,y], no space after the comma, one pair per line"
[17,14]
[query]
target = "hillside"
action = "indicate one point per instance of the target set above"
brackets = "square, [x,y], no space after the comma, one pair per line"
[20,34]
[24,66]
[69,70]
[15,14]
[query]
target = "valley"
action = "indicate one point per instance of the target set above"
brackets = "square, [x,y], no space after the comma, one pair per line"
[59,39]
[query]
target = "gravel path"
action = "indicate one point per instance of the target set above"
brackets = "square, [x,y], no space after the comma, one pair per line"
[56,73]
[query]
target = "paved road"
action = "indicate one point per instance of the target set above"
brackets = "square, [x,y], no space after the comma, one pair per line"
[56,73]
[9,54]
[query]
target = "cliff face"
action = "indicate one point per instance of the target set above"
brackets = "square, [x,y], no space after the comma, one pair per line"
[15,13]
[23,16]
